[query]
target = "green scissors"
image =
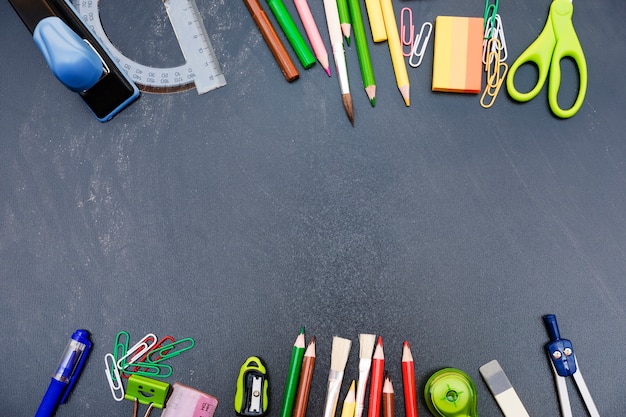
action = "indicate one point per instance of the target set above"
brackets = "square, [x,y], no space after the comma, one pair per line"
[556,41]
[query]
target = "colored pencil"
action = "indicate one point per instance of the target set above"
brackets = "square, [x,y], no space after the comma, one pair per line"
[338,359]
[304,385]
[408,380]
[292,33]
[376,384]
[377,24]
[344,19]
[313,33]
[366,347]
[349,403]
[336,41]
[388,398]
[395,50]
[273,41]
[293,375]
[362,50]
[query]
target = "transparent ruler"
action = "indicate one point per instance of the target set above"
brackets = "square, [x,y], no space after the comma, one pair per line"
[201,68]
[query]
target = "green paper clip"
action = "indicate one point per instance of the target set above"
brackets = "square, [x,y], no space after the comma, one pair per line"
[121,347]
[155,370]
[170,350]
[450,392]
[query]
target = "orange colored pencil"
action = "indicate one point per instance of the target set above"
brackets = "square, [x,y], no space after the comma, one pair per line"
[304,385]
[376,382]
[408,380]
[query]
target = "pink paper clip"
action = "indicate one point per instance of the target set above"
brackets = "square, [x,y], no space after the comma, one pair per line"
[403,38]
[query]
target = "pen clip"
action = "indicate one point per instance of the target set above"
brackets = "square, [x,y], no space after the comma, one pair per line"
[80,336]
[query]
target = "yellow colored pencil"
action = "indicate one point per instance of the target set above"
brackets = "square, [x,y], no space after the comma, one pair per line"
[395,49]
[349,404]
[377,24]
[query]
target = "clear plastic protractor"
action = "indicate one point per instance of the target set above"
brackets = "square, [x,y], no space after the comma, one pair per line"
[201,69]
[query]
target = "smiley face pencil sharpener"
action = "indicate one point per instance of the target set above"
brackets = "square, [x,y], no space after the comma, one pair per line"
[147,391]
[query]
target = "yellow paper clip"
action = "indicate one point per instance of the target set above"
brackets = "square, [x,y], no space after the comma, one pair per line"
[420,39]
[496,73]
[406,41]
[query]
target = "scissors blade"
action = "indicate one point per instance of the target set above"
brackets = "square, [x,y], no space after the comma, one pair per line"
[584,392]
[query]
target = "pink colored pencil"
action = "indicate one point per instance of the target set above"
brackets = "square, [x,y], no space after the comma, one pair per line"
[313,33]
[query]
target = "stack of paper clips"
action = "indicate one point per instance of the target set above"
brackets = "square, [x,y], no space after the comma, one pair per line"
[494,54]
[145,358]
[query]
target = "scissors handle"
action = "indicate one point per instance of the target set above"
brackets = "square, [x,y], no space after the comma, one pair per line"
[539,53]
[556,41]
[567,46]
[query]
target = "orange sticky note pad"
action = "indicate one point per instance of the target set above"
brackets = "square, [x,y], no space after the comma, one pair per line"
[457,63]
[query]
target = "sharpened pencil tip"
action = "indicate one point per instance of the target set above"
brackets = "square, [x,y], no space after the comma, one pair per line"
[327,69]
[373,101]
[347,104]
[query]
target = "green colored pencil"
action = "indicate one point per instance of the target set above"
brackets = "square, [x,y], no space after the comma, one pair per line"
[291,386]
[367,72]
[299,45]
[344,19]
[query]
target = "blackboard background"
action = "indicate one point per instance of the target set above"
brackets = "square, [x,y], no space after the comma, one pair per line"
[238,216]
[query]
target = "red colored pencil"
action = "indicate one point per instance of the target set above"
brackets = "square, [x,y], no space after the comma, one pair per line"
[376,382]
[408,379]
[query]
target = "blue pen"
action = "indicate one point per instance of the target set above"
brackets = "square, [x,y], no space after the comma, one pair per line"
[66,373]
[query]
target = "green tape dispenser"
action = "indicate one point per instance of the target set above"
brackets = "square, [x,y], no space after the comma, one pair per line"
[450,392]
[252,397]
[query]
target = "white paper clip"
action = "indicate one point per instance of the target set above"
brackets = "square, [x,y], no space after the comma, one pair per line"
[406,41]
[137,351]
[113,377]
[422,39]
[498,33]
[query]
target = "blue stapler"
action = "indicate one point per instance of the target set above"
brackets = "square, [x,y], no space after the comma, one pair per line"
[76,57]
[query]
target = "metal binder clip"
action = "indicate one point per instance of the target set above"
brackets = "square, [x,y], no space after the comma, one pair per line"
[406,41]
[420,39]
[564,364]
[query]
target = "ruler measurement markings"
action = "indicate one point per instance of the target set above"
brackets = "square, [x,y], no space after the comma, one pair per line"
[196,70]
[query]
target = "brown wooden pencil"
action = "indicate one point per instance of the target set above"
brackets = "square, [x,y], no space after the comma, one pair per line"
[273,41]
[388,397]
[304,385]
